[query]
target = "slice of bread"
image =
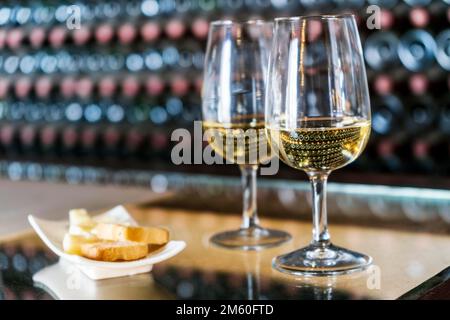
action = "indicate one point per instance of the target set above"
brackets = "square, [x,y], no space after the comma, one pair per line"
[114,251]
[117,232]
[72,243]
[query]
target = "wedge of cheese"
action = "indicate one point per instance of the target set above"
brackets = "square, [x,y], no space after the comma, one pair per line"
[117,232]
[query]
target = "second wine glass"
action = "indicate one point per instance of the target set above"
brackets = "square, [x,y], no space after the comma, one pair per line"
[233,117]
[318,120]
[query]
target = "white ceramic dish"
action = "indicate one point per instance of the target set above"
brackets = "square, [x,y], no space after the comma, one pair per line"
[52,234]
[64,281]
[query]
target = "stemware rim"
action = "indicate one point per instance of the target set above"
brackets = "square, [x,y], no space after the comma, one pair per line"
[317,16]
[228,22]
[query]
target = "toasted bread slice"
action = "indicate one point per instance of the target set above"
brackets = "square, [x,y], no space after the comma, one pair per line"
[114,251]
[117,232]
[72,243]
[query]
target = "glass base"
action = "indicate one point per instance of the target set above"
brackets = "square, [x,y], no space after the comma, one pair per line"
[321,260]
[253,238]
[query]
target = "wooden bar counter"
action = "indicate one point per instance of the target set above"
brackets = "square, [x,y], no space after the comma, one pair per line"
[402,261]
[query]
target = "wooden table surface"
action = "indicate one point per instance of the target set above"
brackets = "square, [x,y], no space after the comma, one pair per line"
[402,259]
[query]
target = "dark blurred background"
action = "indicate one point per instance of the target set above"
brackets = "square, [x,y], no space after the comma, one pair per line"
[79,105]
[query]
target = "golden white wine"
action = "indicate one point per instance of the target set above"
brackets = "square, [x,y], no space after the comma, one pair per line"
[320,144]
[240,142]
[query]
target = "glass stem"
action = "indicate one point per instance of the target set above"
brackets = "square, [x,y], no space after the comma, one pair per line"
[249,214]
[321,237]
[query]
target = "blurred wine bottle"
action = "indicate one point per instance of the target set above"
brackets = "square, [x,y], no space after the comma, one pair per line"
[380,50]
[416,50]
[443,49]
[390,136]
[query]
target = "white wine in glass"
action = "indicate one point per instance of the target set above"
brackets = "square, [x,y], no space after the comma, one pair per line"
[321,144]
[233,117]
[240,141]
[318,120]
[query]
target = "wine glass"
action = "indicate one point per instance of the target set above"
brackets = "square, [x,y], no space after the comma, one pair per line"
[233,117]
[318,120]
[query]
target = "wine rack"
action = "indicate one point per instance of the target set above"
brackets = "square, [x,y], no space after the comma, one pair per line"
[109,93]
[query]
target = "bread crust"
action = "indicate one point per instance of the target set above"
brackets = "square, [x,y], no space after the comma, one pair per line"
[114,251]
[117,232]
